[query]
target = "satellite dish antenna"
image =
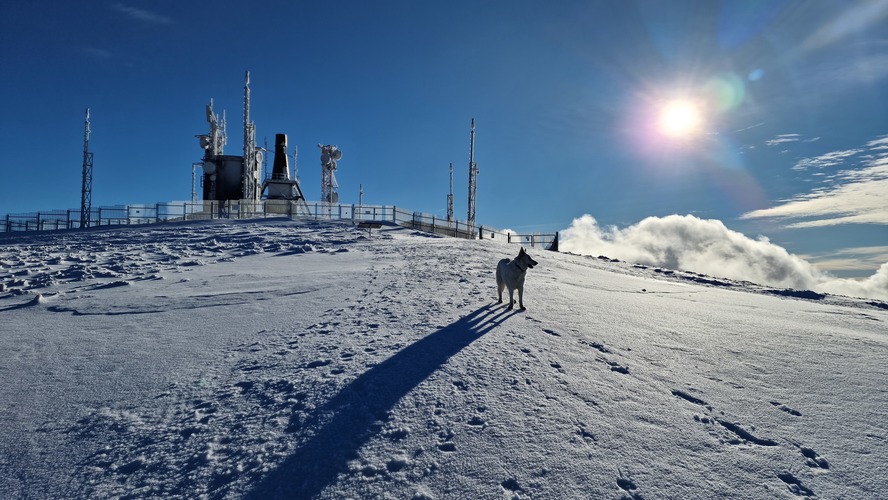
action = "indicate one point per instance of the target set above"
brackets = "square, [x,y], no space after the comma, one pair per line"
[209,167]
[325,158]
[258,156]
[337,154]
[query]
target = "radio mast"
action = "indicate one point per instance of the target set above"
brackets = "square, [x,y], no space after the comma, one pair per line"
[251,166]
[450,197]
[473,178]
[86,185]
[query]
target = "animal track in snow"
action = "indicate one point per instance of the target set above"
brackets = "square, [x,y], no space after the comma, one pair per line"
[744,434]
[689,398]
[741,433]
[614,366]
[629,487]
[787,409]
[511,485]
[596,345]
[813,459]
[794,485]
[551,332]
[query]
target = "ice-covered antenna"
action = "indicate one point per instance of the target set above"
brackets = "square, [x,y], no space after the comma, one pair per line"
[251,165]
[450,197]
[473,178]
[86,183]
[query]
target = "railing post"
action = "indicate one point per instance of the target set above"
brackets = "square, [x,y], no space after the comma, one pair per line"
[353,211]
[394,214]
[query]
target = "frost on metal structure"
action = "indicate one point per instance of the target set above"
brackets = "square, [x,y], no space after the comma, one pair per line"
[450,197]
[86,184]
[329,187]
[229,177]
[252,158]
[473,178]
[214,143]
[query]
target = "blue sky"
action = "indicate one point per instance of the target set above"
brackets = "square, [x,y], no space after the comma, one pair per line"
[791,142]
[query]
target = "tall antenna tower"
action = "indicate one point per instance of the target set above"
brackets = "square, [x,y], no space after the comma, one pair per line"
[251,165]
[473,178]
[329,187]
[450,197]
[86,184]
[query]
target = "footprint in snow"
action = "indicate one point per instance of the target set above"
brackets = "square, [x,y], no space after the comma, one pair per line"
[787,409]
[629,487]
[795,485]
[813,459]
[614,366]
[318,363]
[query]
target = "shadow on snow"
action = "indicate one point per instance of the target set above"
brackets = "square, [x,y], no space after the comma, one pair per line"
[338,429]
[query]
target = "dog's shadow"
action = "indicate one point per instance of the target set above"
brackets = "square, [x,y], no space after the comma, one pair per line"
[335,431]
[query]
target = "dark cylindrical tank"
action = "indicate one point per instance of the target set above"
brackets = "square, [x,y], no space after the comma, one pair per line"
[280,169]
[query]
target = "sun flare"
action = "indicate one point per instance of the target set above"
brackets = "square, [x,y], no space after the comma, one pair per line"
[680,119]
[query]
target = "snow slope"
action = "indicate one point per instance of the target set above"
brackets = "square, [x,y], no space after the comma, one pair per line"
[288,359]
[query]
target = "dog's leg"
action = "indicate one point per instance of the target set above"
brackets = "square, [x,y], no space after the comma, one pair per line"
[500,287]
[521,298]
[511,298]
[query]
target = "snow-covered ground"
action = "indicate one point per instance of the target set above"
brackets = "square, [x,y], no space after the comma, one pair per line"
[263,359]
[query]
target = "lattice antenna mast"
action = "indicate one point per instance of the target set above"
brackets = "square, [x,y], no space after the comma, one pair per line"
[329,187]
[450,197]
[251,166]
[473,178]
[86,184]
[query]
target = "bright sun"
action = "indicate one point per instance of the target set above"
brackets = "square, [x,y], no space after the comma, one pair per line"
[680,119]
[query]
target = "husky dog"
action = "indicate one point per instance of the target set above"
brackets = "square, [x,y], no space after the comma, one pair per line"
[510,274]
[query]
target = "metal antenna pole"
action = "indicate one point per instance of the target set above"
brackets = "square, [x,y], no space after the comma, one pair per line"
[86,184]
[473,178]
[265,159]
[450,197]
[295,168]
[250,166]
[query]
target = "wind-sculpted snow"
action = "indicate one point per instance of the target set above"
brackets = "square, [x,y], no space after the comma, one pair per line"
[281,359]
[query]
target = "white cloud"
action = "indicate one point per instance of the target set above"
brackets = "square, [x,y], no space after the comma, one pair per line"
[853,196]
[826,160]
[142,15]
[858,197]
[876,286]
[782,138]
[707,246]
[850,259]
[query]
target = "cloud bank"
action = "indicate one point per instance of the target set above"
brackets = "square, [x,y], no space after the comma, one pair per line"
[852,195]
[709,247]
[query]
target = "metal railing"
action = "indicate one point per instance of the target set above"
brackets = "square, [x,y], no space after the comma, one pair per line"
[247,209]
